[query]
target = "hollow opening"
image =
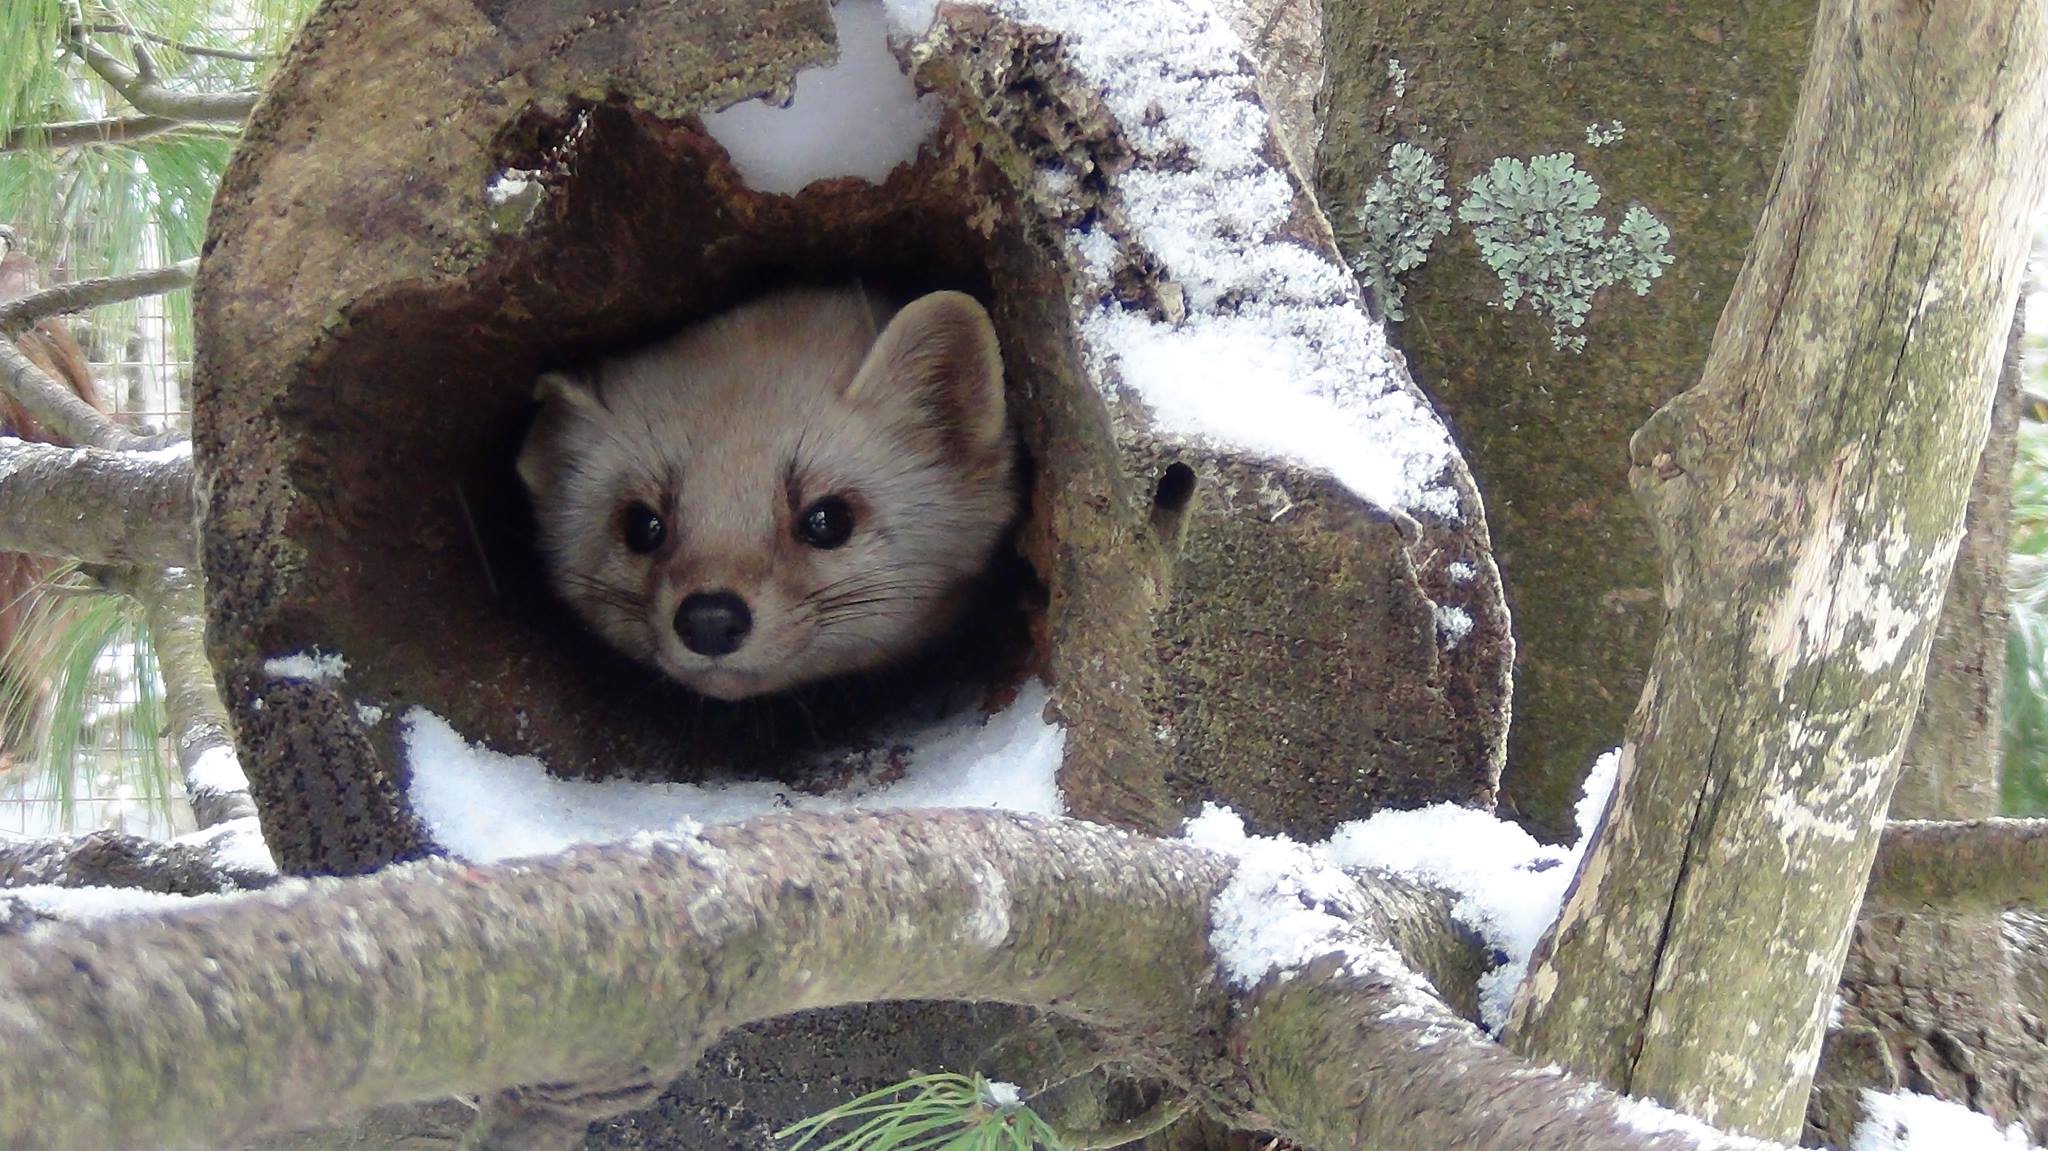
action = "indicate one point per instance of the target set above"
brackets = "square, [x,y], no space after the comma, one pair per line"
[618,228]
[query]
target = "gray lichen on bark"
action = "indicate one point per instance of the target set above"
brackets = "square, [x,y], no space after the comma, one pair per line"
[1808,497]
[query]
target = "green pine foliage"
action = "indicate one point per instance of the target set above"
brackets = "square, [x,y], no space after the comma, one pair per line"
[2024,780]
[105,209]
[943,1112]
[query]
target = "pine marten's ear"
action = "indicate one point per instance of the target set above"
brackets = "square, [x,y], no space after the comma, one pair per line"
[940,353]
[565,398]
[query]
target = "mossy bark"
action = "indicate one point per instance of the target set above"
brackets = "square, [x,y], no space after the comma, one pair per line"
[1929,998]
[1808,497]
[370,324]
[1705,92]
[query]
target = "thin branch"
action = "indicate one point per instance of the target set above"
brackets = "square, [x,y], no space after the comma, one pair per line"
[1980,863]
[182,46]
[647,951]
[19,315]
[176,618]
[155,99]
[59,408]
[78,133]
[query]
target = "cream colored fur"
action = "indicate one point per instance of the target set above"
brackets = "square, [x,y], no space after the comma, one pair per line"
[729,430]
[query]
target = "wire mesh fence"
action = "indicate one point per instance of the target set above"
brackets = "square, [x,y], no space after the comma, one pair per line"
[121,775]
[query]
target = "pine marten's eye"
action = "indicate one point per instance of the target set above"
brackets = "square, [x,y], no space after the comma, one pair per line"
[826,524]
[643,529]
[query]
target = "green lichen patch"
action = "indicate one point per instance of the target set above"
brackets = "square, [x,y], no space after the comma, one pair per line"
[1403,213]
[1536,228]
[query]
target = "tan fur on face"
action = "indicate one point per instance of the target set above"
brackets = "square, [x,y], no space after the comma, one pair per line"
[729,431]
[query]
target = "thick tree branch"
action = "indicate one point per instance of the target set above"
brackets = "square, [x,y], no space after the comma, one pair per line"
[1306,1039]
[132,862]
[99,506]
[1808,496]
[154,99]
[620,964]
[1985,864]
[78,133]
[19,315]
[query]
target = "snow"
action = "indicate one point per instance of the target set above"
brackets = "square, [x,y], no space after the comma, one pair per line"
[92,904]
[1275,355]
[236,843]
[858,116]
[309,665]
[1001,1095]
[1652,1118]
[483,805]
[1284,906]
[1508,885]
[1453,624]
[1908,1122]
[217,770]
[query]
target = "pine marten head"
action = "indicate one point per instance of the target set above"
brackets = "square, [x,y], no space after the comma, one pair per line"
[787,492]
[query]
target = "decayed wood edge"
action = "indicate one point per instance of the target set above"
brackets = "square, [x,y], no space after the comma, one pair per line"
[97,505]
[629,959]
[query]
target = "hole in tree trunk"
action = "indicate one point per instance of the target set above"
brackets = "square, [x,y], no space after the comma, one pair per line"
[618,227]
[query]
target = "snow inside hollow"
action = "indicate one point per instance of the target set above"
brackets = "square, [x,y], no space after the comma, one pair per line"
[1905,1121]
[483,805]
[858,116]
[313,665]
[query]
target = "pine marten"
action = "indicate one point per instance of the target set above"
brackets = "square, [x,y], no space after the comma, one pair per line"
[787,492]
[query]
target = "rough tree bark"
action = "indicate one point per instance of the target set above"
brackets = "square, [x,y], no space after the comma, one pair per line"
[1808,498]
[670,942]
[1705,90]
[1929,1000]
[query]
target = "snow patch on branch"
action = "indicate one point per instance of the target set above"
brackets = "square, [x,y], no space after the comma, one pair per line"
[1904,1121]
[483,805]
[236,844]
[1286,905]
[1509,886]
[1288,902]
[217,771]
[1652,1118]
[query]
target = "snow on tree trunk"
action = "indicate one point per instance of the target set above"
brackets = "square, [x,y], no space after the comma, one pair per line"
[438,199]
[1808,496]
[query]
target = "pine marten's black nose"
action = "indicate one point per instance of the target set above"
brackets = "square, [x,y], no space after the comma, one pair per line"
[714,623]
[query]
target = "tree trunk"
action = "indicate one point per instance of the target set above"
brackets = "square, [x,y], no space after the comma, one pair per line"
[1808,497]
[1928,999]
[1704,91]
